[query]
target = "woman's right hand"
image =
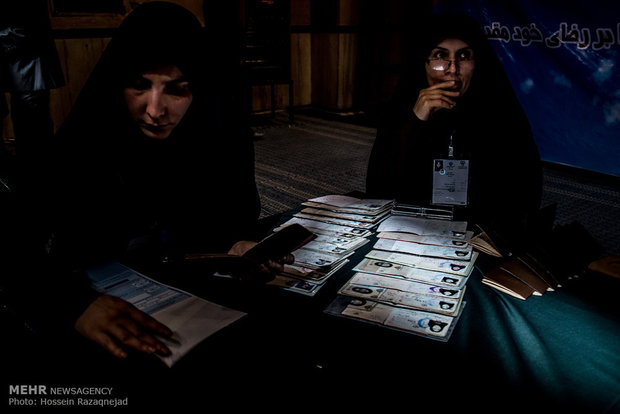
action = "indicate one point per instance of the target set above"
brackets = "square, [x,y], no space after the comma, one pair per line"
[435,97]
[115,323]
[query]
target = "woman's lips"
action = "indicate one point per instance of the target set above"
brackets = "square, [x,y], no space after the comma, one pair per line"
[154,128]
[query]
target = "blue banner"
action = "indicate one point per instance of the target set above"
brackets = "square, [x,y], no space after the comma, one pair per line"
[562,58]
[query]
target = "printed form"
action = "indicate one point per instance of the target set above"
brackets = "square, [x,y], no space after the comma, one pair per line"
[192,319]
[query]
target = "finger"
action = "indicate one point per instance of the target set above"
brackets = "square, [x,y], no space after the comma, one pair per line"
[442,85]
[128,335]
[274,267]
[446,94]
[141,328]
[433,100]
[439,94]
[267,272]
[150,322]
[442,102]
[447,88]
[289,259]
[152,342]
[239,248]
[109,344]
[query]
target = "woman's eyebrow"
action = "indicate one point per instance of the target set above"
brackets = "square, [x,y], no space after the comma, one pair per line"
[446,49]
[180,79]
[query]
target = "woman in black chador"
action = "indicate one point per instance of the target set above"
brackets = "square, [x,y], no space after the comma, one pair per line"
[455,103]
[154,152]
[153,163]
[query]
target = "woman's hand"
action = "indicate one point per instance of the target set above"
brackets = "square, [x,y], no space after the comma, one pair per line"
[115,323]
[259,271]
[435,97]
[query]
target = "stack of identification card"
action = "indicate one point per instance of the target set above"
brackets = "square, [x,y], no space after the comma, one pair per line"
[342,225]
[427,324]
[424,226]
[395,270]
[346,211]
[347,204]
[413,279]
[328,229]
[303,280]
[404,293]
[442,213]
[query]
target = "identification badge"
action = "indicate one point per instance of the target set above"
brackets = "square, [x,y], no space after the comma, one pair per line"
[450,180]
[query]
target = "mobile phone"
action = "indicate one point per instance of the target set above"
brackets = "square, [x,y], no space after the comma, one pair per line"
[280,243]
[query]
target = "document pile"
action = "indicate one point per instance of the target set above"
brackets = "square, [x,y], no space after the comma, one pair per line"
[413,279]
[342,225]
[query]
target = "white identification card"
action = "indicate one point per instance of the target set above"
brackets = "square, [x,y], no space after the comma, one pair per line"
[450,179]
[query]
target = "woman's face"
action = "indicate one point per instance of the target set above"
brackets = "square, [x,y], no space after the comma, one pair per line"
[158,100]
[451,60]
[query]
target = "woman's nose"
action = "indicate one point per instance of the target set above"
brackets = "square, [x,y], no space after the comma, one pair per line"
[453,66]
[156,107]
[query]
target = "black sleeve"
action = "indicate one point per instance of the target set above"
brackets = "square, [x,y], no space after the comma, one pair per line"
[400,151]
[36,295]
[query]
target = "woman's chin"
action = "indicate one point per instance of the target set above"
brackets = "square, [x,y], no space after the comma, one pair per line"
[155,134]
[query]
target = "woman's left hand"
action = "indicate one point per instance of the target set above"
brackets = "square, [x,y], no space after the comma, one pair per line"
[259,271]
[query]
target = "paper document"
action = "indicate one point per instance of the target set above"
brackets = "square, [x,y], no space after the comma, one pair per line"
[192,319]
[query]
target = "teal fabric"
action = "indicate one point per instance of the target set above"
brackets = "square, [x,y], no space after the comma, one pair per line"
[560,350]
[564,346]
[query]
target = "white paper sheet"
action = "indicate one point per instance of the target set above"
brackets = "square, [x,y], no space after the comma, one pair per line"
[192,319]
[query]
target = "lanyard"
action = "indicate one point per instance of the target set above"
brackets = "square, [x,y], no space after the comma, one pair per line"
[450,178]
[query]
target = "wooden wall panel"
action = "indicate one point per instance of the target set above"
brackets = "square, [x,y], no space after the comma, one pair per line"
[334,57]
[78,58]
[261,97]
[324,76]
[300,12]
[70,21]
[348,13]
[345,60]
[325,61]
[346,69]
[301,68]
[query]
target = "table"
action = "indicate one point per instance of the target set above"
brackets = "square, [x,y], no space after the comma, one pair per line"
[558,351]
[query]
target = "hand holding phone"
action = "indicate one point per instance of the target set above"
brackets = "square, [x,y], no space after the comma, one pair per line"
[254,264]
[280,244]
